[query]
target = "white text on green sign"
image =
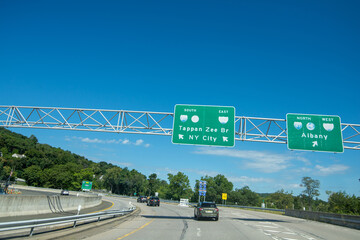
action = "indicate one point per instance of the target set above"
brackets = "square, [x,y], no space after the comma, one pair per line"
[314,132]
[86,185]
[204,125]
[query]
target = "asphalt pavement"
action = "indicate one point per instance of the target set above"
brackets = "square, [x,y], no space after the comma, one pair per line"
[171,221]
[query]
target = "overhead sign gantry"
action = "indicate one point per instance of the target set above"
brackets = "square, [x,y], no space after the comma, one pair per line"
[250,129]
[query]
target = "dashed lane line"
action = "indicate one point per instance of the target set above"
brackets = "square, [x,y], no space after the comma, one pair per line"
[135,230]
[272,231]
[266,226]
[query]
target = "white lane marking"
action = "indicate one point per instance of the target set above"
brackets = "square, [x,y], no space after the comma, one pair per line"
[290,239]
[241,215]
[273,231]
[290,233]
[198,232]
[266,226]
[306,236]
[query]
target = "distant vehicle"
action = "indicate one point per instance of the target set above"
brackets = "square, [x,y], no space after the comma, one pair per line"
[65,192]
[153,201]
[142,199]
[206,210]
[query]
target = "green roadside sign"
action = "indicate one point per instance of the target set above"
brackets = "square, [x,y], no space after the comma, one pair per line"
[314,133]
[204,125]
[86,186]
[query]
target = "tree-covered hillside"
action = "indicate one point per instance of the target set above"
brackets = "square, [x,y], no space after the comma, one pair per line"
[45,166]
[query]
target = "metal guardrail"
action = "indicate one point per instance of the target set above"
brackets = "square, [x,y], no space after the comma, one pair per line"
[341,219]
[32,224]
[351,221]
[256,208]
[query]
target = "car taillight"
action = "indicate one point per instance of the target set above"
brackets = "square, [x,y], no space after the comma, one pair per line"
[200,209]
[216,209]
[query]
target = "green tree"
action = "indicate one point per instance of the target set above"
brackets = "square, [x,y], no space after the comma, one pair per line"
[61,176]
[280,200]
[163,189]
[222,185]
[245,197]
[300,201]
[2,171]
[136,182]
[85,174]
[33,139]
[153,184]
[311,189]
[215,187]
[34,176]
[341,202]
[179,186]
[112,179]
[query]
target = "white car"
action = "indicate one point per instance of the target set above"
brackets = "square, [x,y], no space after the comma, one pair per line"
[65,192]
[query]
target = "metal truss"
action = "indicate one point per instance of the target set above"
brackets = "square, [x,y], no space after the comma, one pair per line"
[251,129]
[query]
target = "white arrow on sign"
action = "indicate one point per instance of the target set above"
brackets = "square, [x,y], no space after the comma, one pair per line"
[315,143]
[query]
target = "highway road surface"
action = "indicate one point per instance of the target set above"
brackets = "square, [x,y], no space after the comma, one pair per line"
[175,222]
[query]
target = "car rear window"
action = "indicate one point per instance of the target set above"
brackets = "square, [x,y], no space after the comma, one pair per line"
[211,205]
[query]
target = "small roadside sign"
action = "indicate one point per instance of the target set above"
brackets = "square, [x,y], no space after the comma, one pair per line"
[224,196]
[86,186]
[202,188]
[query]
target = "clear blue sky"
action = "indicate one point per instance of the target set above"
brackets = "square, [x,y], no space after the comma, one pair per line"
[265,58]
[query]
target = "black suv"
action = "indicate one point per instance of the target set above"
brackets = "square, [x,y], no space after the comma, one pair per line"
[153,201]
[142,199]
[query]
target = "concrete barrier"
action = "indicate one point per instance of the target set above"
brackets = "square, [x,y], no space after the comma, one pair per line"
[19,205]
[16,187]
[332,218]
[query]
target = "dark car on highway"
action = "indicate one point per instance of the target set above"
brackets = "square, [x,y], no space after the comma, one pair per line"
[142,199]
[206,210]
[153,201]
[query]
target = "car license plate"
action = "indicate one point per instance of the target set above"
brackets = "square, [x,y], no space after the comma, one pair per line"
[208,211]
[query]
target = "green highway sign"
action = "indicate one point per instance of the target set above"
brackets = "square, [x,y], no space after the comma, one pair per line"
[86,185]
[204,125]
[314,132]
